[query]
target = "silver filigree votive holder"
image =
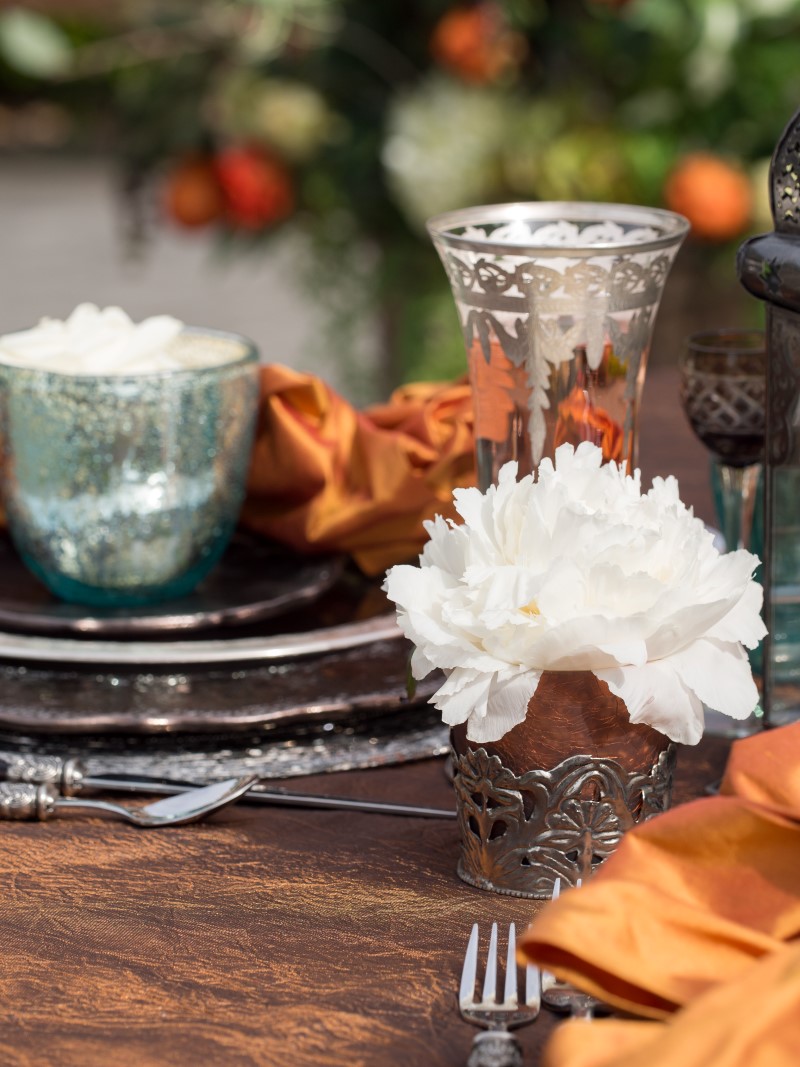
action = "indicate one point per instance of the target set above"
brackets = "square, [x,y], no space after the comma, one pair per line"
[557,303]
[553,798]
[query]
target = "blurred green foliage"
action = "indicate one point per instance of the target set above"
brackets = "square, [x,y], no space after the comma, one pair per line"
[385,112]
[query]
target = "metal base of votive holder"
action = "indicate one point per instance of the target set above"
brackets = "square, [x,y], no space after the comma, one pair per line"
[520,833]
[554,796]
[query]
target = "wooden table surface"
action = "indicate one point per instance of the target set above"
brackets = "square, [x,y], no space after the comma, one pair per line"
[269,936]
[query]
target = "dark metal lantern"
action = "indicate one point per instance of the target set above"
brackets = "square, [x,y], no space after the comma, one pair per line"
[769,267]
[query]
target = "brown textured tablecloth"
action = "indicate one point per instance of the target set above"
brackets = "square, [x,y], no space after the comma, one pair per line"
[260,937]
[268,936]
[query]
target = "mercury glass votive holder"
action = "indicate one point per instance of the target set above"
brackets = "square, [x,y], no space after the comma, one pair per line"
[123,490]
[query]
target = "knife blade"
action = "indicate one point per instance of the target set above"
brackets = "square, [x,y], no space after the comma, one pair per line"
[70,778]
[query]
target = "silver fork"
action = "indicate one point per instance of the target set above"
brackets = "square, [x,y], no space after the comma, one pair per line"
[496,1047]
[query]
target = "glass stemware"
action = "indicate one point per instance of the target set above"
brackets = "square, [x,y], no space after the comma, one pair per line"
[723,393]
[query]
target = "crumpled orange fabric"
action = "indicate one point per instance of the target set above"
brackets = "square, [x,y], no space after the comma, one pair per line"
[580,420]
[499,389]
[695,921]
[327,477]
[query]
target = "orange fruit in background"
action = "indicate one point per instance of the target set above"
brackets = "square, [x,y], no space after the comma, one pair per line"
[475,43]
[257,187]
[715,196]
[193,196]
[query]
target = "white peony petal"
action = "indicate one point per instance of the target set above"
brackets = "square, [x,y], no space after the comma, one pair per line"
[458,679]
[627,653]
[683,624]
[446,549]
[421,666]
[743,622]
[562,590]
[619,590]
[504,587]
[719,675]
[468,704]
[574,644]
[509,697]
[654,694]
[407,585]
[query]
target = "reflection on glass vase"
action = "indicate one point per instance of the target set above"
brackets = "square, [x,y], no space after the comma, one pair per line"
[557,303]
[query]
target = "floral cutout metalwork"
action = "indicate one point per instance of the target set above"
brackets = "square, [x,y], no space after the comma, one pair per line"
[521,832]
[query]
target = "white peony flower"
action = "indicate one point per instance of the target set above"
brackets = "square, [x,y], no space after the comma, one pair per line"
[580,571]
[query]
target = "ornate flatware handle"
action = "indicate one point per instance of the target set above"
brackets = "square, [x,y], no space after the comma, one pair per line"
[495,1048]
[65,775]
[26,800]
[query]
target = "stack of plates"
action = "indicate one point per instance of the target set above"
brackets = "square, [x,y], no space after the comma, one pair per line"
[279,663]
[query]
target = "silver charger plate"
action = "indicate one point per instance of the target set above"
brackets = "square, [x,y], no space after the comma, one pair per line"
[281,647]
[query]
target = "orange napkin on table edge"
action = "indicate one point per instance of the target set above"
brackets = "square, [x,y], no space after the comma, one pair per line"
[326,477]
[693,919]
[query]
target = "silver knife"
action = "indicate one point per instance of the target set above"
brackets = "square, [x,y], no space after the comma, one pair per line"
[70,778]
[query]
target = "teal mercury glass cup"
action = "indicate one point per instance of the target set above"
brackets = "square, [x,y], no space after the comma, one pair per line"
[125,489]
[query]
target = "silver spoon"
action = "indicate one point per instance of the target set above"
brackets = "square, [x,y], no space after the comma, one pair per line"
[24,800]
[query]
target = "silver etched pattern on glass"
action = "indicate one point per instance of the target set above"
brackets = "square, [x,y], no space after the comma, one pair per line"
[519,833]
[557,304]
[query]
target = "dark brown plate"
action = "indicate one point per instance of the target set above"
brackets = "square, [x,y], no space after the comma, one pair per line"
[255,580]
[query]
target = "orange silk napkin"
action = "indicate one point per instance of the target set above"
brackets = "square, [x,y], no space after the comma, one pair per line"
[695,920]
[326,477]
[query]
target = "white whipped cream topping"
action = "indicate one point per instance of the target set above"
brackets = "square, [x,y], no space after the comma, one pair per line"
[99,342]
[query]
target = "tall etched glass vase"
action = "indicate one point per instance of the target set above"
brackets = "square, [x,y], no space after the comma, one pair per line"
[557,303]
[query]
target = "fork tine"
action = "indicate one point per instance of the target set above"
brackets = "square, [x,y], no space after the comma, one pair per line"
[547,978]
[466,993]
[510,988]
[496,1044]
[533,986]
[490,981]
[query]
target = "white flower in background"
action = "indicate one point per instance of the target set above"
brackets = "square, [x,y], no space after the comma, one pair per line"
[292,117]
[443,147]
[580,571]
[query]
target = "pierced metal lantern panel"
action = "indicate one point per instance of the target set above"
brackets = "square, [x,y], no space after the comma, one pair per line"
[769,267]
